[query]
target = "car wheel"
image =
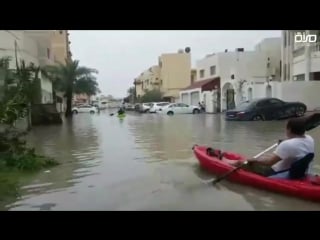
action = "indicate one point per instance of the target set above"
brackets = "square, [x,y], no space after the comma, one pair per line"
[257,118]
[75,112]
[300,111]
[92,112]
[196,111]
[170,113]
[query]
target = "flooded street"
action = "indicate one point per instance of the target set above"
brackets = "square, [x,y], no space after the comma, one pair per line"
[145,162]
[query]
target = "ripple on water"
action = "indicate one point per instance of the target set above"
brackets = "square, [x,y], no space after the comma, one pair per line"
[146,162]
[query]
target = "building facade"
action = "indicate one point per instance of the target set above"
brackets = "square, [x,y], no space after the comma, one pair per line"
[61,51]
[148,80]
[34,47]
[175,69]
[170,76]
[242,75]
[300,79]
[61,46]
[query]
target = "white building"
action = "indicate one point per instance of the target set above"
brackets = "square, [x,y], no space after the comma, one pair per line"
[300,79]
[32,47]
[236,76]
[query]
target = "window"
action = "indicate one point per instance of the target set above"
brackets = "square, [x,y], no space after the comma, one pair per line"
[280,69]
[48,53]
[182,105]
[285,72]
[202,73]
[162,104]
[61,32]
[289,78]
[315,76]
[212,70]
[300,77]
[285,39]
[263,103]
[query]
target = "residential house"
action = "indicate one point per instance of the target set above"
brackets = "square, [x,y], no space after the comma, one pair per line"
[34,47]
[175,71]
[44,57]
[300,78]
[170,75]
[79,99]
[226,78]
[61,51]
[148,80]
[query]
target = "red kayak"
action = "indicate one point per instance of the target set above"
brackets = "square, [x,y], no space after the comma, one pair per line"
[308,188]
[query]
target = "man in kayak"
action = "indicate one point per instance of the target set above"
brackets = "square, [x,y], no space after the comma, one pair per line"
[297,146]
[121,111]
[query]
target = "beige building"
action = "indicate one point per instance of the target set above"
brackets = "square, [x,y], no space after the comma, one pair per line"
[172,74]
[175,69]
[147,81]
[193,75]
[61,51]
[32,47]
[61,46]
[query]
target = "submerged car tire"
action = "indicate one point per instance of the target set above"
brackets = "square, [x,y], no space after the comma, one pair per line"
[300,111]
[257,118]
[92,112]
[170,113]
[75,112]
[196,111]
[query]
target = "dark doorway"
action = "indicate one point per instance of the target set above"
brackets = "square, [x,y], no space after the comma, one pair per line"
[230,99]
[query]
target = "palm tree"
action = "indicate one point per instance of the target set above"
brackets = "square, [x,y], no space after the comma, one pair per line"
[19,90]
[87,85]
[67,78]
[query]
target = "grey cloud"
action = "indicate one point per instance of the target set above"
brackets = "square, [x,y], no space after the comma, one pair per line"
[120,55]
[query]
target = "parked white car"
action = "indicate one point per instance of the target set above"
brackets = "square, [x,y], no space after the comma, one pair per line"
[157,106]
[180,108]
[145,107]
[85,109]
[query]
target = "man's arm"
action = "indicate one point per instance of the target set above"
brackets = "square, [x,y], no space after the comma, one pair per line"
[268,161]
[280,153]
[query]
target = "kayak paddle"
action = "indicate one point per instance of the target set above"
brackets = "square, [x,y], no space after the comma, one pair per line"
[311,122]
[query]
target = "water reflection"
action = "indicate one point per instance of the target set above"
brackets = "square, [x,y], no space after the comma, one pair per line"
[74,145]
[145,162]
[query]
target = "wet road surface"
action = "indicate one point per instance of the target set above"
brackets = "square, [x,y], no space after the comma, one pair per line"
[145,162]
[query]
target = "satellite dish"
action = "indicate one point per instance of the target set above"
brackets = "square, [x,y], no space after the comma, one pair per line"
[187,49]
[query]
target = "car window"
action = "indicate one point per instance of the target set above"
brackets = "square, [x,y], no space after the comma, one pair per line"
[182,105]
[173,105]
[162,104]
[275,102]
[263,103]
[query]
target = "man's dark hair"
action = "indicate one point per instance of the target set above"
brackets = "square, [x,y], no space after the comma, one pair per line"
[296,126]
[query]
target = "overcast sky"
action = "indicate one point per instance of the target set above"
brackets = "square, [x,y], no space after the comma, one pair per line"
[120,56]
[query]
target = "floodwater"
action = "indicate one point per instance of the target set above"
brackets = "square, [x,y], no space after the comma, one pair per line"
[145,162]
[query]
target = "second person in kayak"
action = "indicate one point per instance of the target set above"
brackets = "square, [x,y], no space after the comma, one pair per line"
[291,158]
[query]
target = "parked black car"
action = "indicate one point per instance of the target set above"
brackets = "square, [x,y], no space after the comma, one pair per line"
[266,109]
